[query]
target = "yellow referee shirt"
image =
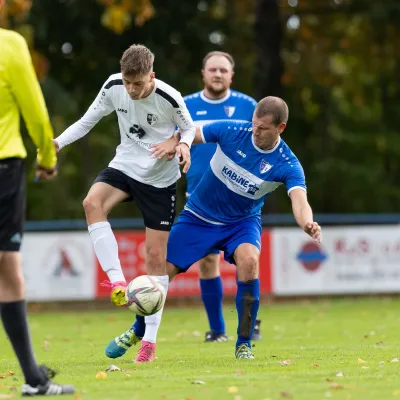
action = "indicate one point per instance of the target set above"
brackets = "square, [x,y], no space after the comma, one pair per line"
[20,92]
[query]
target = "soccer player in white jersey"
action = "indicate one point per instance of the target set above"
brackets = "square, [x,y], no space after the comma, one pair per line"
[224,211]
[217,101]
[148,112]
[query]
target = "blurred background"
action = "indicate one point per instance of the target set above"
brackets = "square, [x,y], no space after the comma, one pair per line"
[335,62]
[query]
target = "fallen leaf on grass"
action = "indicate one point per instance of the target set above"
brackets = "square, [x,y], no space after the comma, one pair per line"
[336,386]
[360,361]
[198,383]
[340,374]
[285,362]
[46,345]
[380,343]
[395,360]
[101,375]
[364,367]
[112,368]
[233,389]
[2,377]
[286,395]
[14,389]
[315,365]
[239,372]
[10,373]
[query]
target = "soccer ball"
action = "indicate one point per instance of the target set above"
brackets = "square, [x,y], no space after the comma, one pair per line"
[145,295]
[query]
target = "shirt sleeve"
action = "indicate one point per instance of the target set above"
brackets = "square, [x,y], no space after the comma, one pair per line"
[184,122]
[29,97]
[213,132]
[101,107]
[295,178]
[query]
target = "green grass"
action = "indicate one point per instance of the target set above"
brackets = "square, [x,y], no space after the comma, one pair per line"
[321,339]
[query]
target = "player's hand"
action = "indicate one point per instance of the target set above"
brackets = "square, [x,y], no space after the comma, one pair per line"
[56,146]
[314,230]
[165,149]
[45,174]
[183,153]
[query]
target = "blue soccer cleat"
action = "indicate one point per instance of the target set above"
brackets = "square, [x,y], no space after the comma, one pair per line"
[118,346]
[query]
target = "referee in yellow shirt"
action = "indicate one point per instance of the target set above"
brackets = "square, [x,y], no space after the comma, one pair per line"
[20,93]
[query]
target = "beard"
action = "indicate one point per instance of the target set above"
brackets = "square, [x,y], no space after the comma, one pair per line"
[216,90]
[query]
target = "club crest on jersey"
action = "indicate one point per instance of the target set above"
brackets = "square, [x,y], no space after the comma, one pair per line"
[265,167]
[229,110]
[152,119]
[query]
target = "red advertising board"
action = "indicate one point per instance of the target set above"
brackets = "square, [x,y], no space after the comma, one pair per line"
[132,253]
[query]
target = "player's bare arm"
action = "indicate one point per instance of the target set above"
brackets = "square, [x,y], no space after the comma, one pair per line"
[303,214]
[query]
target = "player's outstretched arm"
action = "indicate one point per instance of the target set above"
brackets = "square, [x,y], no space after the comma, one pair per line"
[303,214]
[101,107]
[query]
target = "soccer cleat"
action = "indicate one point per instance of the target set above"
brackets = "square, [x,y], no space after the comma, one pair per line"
[257,333]
[211,336]
[244,352]
[47,389]
[118,290]
[147,352]
[119,346]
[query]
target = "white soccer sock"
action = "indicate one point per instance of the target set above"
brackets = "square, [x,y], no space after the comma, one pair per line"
[106,249]
[153,321]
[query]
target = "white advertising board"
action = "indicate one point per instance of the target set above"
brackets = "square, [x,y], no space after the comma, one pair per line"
[350,260]
[58,266]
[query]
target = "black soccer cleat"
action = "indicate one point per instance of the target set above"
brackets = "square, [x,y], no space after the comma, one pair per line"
[211,336]
[47,389]
[257,333]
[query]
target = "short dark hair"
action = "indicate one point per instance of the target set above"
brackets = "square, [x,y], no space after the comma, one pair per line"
[219,53]
[137,60]
[274,106]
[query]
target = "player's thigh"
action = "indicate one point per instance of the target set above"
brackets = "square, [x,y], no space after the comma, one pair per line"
[12,203]
[209,265]
[247,257]
[244,232]
[190,240]
[109,188]
[157,205]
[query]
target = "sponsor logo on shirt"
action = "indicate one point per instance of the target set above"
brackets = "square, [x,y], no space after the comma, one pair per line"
[122,110]
[201,112]
[240,152]
[229,110]
[152,119]
[137,130]
[265,167]
[244,183]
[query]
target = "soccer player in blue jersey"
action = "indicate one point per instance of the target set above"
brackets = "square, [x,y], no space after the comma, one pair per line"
[217,101]
[224,210]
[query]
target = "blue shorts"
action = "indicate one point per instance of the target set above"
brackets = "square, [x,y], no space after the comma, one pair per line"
[191,239]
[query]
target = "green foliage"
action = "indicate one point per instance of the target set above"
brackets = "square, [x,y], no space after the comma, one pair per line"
[341,69]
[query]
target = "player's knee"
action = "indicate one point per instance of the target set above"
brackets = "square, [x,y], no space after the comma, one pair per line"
[248,267]
[209,267]
[91,205]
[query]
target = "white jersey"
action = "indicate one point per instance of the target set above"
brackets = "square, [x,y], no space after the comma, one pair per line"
[142,123]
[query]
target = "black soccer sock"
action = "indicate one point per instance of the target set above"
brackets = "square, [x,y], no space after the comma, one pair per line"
[16,326]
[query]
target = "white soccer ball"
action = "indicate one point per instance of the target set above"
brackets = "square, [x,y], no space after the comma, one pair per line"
[145,295]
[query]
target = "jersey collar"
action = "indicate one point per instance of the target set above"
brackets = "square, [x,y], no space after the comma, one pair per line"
[265,151]
[217,101]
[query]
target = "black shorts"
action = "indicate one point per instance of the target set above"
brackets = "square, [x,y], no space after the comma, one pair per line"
[157,205]
[12,203]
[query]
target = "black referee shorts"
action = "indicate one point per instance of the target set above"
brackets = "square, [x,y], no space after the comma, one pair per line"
[12,203]
[157,205]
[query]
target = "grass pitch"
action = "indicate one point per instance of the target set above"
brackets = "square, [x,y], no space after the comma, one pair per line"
[338,349]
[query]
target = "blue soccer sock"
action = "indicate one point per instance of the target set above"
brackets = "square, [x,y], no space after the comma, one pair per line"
[247,304]
[212,295]
[139,326]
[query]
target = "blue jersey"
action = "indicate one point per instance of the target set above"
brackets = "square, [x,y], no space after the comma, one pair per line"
[240,174]
[234,106]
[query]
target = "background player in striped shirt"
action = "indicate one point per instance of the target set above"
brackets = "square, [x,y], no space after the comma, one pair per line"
[20,93]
